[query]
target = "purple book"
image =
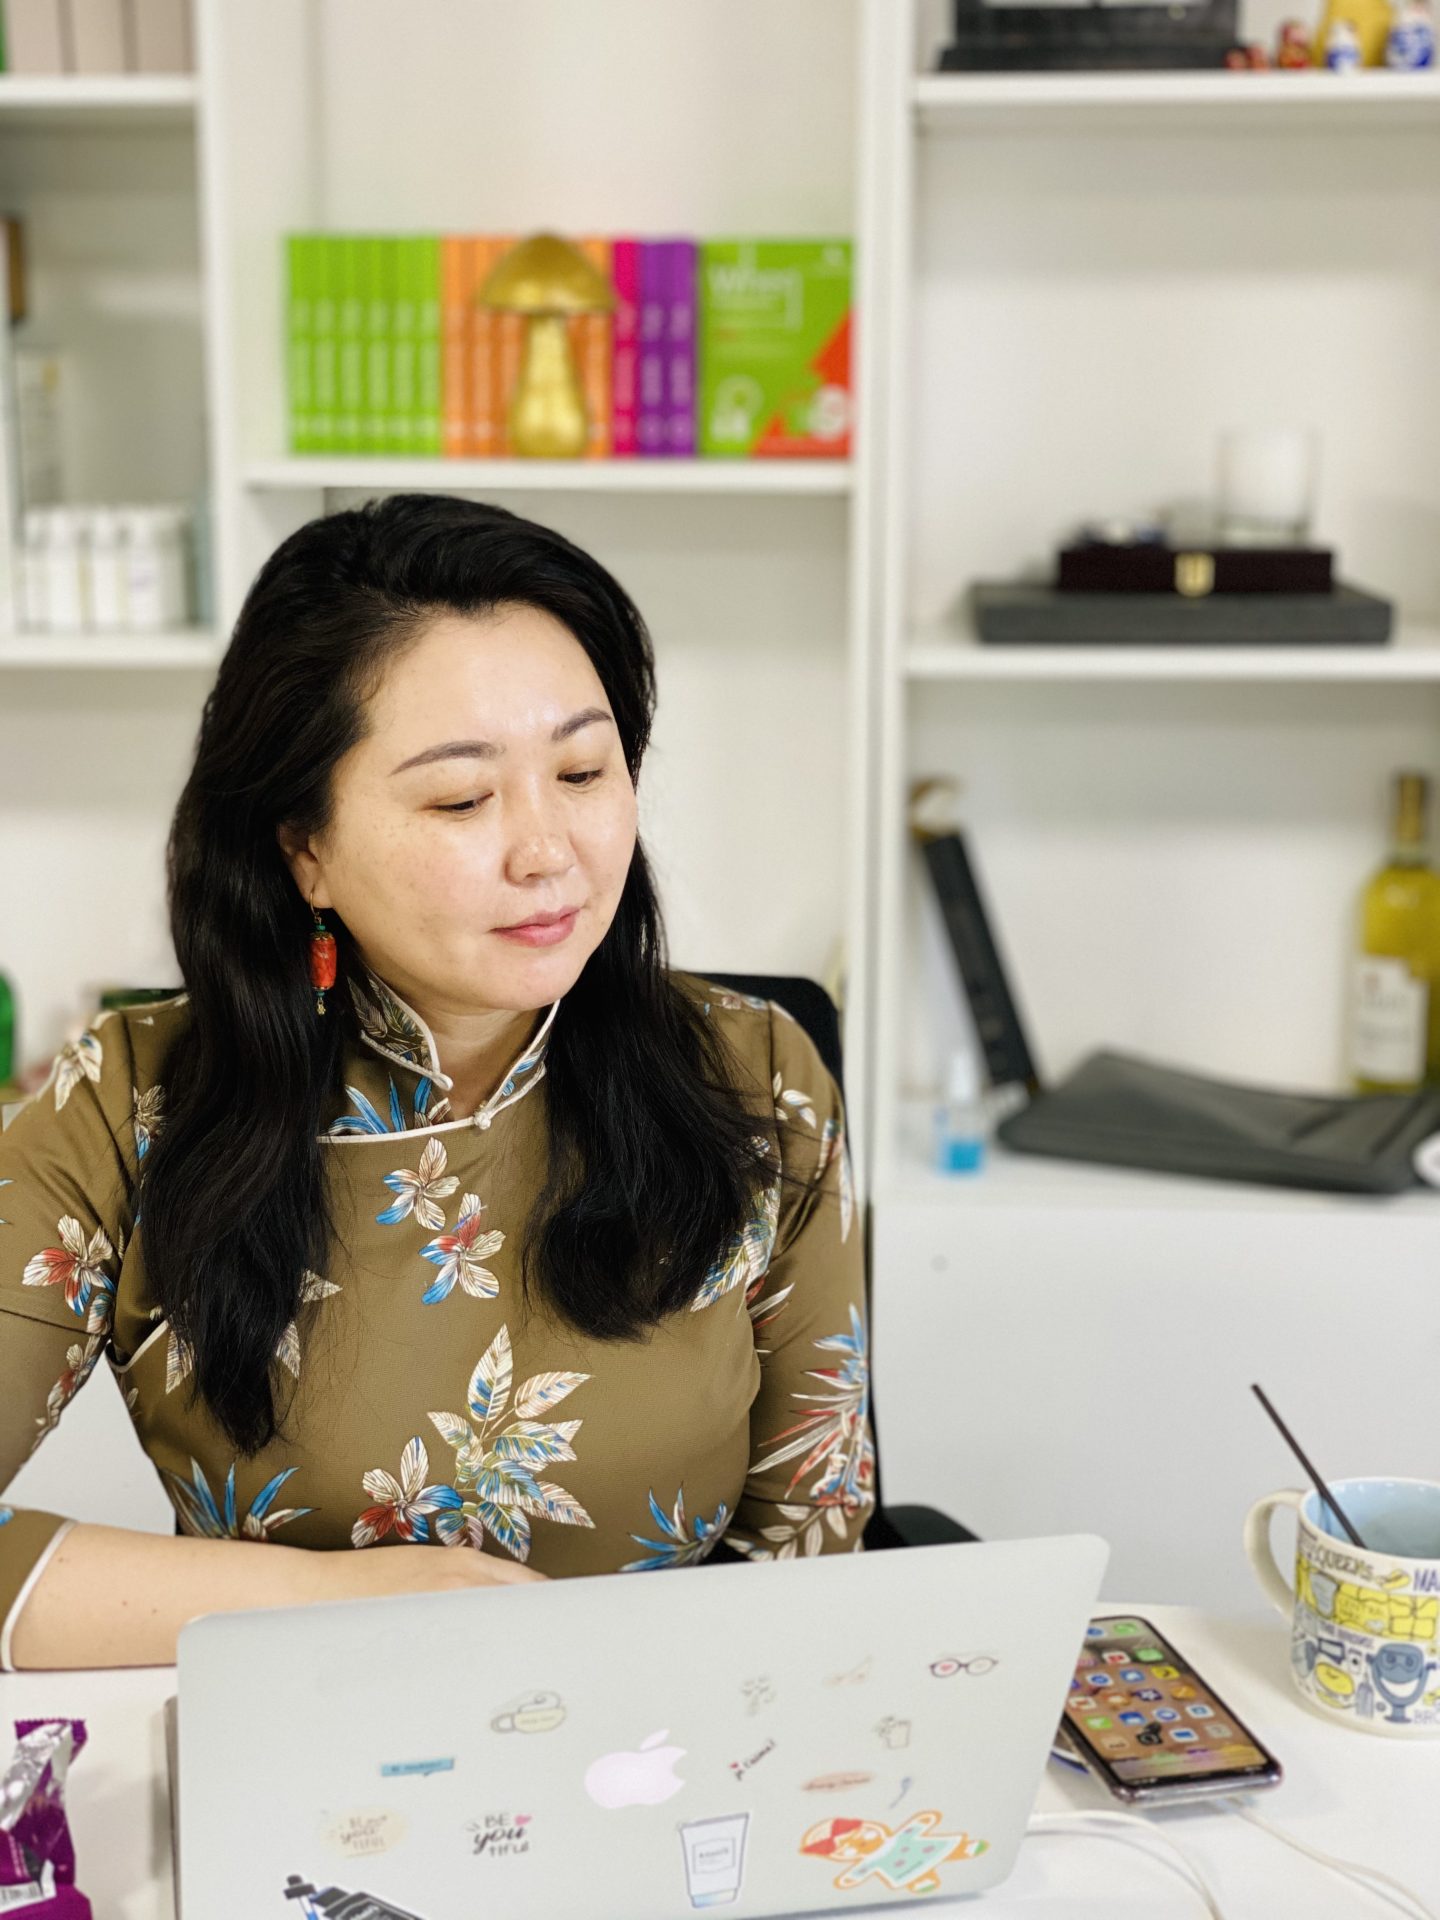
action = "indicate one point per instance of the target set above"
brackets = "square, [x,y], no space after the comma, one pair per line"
[650,397]
[680,334]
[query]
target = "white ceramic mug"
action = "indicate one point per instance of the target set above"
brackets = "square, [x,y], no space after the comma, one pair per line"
[1365,1623]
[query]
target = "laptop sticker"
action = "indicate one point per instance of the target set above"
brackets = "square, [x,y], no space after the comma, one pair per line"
[642,1777]
[334,1903]
[714,1858]
[893,1732]
[499,1834]
[741,1767]
[758,1693]
[904,1859]
[905,1786]
[443,1765]
[974,1664]
[537,1712]
[366,1831]
[854,1676]
[836,1782]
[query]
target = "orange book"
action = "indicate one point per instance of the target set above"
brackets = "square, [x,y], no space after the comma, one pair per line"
[508,337]
[483,440]
[454,345]
[590,343]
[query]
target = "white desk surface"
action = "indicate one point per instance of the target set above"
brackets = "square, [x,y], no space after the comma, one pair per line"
[1357,1795]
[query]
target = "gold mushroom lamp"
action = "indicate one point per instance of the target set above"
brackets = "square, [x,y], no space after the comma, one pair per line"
[547,279]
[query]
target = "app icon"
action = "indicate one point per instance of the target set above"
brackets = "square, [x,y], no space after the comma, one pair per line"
[1100,1721]
[1132,1719]
[1149,1693]
[1183,1733]
[1078,1702]
[1098,1679]
[1201,1712]
[1165,1673]
[1116,1657]
[1182,1691]
[1094,1633]
[1220,1731]
[1086,1660]
[1148,1653]
[1166,1713]
[1132,1676]
[1117,1699]
[1124,1629]
[1115,1743]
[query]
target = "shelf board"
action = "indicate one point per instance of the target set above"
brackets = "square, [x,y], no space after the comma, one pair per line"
[953,653]
[121,102]
[1030,1183]
[383,474]
[956,102]
[189,647]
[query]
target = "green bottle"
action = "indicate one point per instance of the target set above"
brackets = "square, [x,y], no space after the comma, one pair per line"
[7,1032]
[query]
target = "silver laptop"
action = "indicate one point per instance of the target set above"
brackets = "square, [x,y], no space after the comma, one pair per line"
[778,1737]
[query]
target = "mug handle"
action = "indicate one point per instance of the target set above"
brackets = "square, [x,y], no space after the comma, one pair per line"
[1262,1554]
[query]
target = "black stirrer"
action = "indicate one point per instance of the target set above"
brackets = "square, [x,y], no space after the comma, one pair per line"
[1300,1454]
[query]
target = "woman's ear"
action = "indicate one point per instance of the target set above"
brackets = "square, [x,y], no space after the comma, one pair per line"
[305,869]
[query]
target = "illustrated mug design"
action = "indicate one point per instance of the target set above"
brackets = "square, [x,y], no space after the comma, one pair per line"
[1365,1622]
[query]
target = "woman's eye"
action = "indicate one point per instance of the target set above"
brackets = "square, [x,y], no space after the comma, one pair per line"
[461,806]
[583,779]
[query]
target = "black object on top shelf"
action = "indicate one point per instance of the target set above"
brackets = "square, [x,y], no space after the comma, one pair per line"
[1011,39]
[1100,566]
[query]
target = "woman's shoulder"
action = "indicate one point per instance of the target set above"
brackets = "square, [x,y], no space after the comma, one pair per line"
[116,1063]
[766,1035]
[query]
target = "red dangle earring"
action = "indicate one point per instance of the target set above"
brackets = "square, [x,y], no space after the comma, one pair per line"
[322,960]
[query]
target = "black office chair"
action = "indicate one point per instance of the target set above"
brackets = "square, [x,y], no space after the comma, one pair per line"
[816,1012]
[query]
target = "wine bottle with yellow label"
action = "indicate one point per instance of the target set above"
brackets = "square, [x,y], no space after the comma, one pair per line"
[1394,1038]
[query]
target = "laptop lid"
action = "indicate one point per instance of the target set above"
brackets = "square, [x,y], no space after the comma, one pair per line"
[773,1737]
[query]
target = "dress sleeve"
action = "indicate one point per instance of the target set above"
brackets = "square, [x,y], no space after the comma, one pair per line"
[811,1482]
[65,1200]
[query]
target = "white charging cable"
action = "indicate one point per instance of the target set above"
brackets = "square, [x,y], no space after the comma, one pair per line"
[1382,1886]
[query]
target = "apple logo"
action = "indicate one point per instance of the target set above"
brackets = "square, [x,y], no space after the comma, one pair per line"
[643,1778]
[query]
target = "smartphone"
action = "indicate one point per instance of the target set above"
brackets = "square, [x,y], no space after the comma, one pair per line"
[1141,1717]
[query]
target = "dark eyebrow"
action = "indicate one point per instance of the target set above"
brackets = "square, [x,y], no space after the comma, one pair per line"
[487,749]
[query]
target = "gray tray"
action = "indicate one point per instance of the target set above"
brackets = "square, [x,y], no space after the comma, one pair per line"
[1023,615]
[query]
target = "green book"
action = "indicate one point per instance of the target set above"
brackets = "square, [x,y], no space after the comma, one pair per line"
[301,250]
[325,346]
[377,273]
[429,425]
[404,349]
[350,335]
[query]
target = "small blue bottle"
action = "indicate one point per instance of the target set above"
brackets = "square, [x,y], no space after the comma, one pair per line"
[960,1118]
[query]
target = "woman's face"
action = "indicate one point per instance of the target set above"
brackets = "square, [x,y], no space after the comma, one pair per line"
[490,788]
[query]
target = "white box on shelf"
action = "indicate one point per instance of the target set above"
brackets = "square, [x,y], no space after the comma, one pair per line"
[36,37]
[97,36]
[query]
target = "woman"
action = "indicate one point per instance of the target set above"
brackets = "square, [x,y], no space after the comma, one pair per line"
[437,1211]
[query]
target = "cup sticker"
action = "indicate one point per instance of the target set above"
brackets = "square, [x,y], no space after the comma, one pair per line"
[902,1859]
[715,1858]
[893,1732]
[537,1712]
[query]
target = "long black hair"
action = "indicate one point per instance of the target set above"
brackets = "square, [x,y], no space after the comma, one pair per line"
[654,1157]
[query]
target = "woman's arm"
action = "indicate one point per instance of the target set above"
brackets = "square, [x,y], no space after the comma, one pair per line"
[153,1583]
[811,1482]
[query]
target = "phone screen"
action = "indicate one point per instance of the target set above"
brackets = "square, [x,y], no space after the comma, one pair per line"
[1141,1710]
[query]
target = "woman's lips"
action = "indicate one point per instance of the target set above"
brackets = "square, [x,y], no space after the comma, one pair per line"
[541,936]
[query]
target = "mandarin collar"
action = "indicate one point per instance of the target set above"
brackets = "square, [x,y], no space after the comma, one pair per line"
[391,1028]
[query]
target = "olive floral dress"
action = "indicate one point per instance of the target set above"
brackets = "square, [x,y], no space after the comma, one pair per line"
[426,1402]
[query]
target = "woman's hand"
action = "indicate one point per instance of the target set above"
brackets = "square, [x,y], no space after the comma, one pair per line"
[360,1574]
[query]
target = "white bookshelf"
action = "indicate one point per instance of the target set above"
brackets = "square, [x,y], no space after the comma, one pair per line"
[1066,286]
[378,474]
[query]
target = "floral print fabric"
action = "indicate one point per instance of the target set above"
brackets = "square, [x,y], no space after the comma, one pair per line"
[425,1399]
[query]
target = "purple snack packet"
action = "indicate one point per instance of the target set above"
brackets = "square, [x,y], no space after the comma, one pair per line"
[37,1855]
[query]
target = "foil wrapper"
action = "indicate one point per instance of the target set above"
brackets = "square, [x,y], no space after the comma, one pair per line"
[37,1853]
